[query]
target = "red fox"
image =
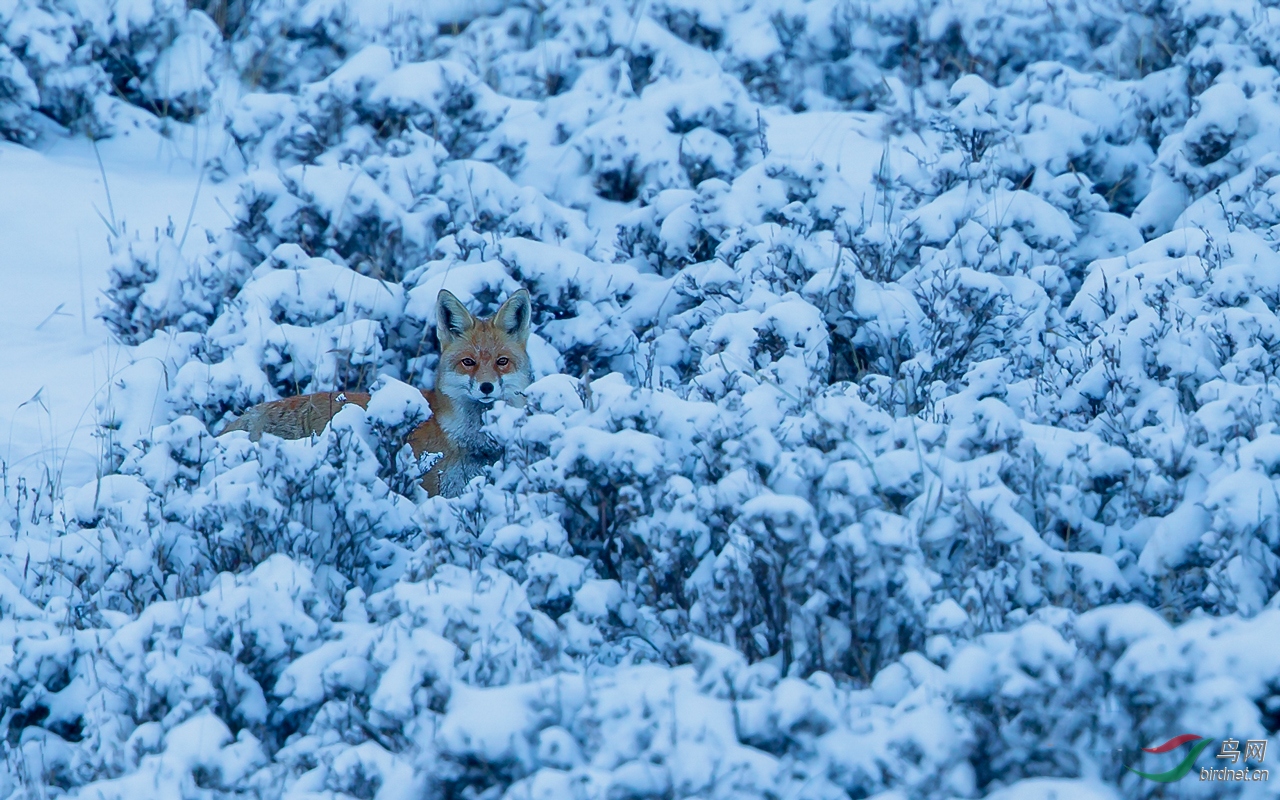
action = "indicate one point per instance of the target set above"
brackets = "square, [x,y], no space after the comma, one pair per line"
[481,361]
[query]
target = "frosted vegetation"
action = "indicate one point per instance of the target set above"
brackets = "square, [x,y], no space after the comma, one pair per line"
[905,423]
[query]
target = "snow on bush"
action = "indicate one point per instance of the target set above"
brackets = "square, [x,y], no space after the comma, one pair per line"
[904,422]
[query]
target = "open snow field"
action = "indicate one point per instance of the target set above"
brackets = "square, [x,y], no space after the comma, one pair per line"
[57,203]
[905,424]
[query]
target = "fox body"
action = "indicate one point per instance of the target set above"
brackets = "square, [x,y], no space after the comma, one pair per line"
[481,361]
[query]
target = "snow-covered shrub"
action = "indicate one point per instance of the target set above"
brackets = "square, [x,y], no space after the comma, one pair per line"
[154,286]
[72,64]
[903,419]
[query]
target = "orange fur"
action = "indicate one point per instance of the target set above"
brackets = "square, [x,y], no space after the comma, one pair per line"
[481,360]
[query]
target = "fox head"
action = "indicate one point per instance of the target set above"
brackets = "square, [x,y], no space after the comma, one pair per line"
[483,360]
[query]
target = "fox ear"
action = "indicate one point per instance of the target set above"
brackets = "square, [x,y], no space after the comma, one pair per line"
[452,317]
[513,316]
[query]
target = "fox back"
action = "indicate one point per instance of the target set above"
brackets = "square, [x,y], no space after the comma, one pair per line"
[294,417]
[481,361]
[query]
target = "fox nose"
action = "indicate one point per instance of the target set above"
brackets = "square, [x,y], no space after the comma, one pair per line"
[486,387]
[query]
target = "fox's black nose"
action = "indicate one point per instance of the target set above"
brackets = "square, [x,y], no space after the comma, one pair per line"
[486,387]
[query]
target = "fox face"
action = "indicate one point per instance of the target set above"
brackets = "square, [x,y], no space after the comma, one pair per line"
[483,360]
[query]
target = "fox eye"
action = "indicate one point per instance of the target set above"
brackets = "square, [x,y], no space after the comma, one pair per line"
[503,361]
[468,362]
